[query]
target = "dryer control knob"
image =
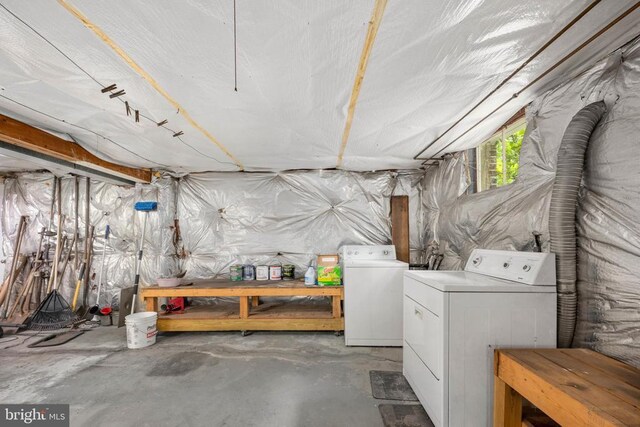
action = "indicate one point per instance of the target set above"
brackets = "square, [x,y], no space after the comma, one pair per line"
[477,261]
[526,267]
[385,252]
[506,265]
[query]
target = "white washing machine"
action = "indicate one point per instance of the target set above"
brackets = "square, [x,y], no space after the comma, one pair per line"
[453,321]
[372,279]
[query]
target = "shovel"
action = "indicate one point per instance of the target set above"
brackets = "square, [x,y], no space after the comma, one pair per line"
[96,308]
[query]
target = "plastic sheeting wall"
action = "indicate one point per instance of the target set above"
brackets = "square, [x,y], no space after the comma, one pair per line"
[609,204]
[224,219]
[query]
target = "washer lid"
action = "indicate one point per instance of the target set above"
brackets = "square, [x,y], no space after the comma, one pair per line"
[375,263]
[464,281]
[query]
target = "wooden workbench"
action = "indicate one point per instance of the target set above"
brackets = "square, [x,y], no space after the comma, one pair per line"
[243,316]
[574,387]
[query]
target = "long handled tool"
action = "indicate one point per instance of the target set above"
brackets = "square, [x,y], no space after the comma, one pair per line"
[84,267]
[145,207]
[88,243]
[53,313]
[22,228]
[22,261]
[96,307]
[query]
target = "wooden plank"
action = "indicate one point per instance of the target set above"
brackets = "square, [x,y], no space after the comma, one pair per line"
[400,226]
[146,76]
[224,283]
[559,393]
[176,324]
[626,373]
[601,374]
[22,135]
[372,31]
[151,304]
[609,405]
[507,405]
[240,291]
[336,307]
[244,307]
[278,310]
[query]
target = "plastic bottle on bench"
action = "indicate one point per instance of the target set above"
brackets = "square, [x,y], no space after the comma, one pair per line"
[310,276]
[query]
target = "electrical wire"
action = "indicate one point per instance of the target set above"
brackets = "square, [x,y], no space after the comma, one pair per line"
[512,74]
[102,86]
[81,127]
[235,49]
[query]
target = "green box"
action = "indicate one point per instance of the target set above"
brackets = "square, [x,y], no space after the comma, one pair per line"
[329,275]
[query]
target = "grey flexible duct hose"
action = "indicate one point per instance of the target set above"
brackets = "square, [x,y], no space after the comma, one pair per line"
[562,214]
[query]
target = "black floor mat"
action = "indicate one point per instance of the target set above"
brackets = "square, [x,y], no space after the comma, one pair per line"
[389,385]
[404,416]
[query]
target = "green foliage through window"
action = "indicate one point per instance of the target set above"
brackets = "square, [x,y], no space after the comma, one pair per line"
[495,168]
[512,145]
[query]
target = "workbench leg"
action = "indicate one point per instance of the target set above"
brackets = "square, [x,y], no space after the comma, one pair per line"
[255,301]
[337,310]
[244,307]
[152,304]
[507,405]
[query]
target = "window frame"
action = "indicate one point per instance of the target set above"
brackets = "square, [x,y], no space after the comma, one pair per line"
[513,125]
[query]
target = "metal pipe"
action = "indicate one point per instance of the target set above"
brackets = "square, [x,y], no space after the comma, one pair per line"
[76,209]
[88,241]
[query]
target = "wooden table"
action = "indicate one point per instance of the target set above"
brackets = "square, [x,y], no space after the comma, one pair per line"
[243,316]
[574,387]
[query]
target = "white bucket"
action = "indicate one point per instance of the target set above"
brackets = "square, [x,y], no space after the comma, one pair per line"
[141,329]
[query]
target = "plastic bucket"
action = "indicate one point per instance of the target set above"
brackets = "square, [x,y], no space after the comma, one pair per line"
[141,329]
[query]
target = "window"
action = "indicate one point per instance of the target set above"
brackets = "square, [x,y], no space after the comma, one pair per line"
[498,158]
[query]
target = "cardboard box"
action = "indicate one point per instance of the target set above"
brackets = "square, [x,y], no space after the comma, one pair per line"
[329,270]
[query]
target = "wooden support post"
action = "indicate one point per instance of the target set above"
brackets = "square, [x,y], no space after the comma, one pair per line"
[507,405]
[336,308]
[255,301]
[400,226]
[151,304]
[244,307]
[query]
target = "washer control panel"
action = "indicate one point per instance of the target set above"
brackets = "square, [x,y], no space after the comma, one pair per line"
[531,268]
[351,252]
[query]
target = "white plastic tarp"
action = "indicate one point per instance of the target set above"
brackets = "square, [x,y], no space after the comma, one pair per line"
[297,62]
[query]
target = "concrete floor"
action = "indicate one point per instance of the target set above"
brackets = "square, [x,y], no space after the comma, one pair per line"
[197,379]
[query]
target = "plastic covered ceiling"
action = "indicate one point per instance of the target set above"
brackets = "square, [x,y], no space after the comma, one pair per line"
[297,61]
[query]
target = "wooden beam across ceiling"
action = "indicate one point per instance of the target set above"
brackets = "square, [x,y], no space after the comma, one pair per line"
[27,137]
[372,31]
[149,78]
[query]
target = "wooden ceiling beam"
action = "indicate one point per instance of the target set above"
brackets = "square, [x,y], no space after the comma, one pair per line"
[16,133]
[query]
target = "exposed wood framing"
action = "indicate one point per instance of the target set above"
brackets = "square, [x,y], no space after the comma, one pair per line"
[400,226]
[145,75]
[374,24]
[247,317]
[22,135]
